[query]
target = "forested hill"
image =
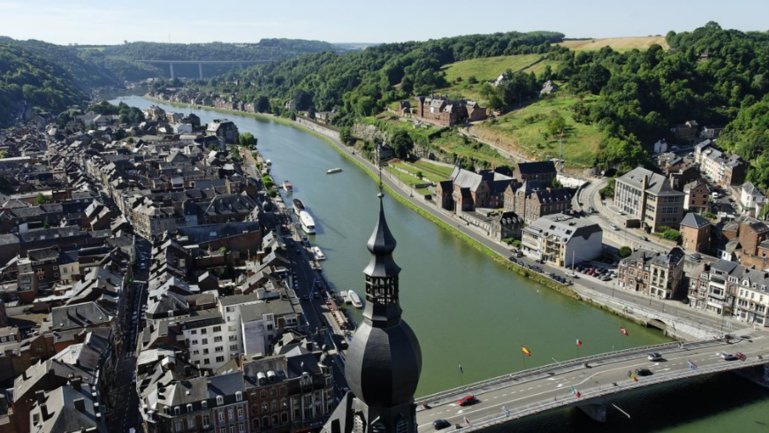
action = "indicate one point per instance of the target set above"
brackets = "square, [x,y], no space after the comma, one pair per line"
[361,83]
[265,49]
[632,98]
[51,77]
[29,80]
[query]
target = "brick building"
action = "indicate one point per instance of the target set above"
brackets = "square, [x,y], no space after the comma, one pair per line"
[535,199]
[696,196]
[695,231]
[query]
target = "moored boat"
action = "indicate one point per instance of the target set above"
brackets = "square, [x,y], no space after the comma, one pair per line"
[333,170]
[288,186]
[318,253]
[354,299]
[298,206]
[308,224]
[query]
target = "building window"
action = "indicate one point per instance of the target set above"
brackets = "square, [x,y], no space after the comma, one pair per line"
[218,339]
[217,329]
[219,402]
[219,359]
[239,397]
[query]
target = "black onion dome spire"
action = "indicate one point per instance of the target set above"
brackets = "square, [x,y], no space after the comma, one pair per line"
[384,360]
[381,240]
[381,244]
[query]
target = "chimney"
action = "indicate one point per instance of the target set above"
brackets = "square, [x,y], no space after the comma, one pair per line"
[75,382]
[39,396]
[44,411]
[79,404]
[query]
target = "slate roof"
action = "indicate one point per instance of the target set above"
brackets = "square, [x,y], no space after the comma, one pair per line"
[64,416]
[563,226]
[695,221]
[278,307]
[657,184]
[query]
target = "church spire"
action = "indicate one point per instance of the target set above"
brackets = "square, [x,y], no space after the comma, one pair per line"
[382,303]
[384,360]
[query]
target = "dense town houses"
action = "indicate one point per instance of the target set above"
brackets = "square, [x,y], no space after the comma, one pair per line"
[221,343]
[720,168]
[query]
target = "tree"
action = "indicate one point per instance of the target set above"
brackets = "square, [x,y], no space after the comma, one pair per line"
[345,135]
[625,251]
[41,199]
[556,124]
[262,104]
[402,144]
[247,139]
[302,100]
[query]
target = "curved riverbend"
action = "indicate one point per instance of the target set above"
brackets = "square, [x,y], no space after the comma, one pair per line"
[463,306]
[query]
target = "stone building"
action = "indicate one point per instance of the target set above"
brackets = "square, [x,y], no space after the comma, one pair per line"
[649,198]
[653,274]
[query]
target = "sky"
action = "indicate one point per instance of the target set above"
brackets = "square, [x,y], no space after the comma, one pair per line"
[113,22]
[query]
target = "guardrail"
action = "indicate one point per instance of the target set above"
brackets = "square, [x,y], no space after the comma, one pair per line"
[589,395]
[536,372]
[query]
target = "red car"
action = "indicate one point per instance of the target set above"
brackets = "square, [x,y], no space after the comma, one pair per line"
[467,400]
[741,356]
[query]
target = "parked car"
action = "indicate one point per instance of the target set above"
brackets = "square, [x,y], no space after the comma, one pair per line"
[467,400]
[441,424]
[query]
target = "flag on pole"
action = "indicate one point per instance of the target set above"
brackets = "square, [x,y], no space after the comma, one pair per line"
[623,331]
[461,370]
[525,350]
[579,342]
[692,366]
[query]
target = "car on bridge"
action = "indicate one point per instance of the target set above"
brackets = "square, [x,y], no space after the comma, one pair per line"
[729,356]
[643,372]
[655,357]
[441,424]
[467,400]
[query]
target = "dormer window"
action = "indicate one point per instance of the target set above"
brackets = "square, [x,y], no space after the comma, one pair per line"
[219,400]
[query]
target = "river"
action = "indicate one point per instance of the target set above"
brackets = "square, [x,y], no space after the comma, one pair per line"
[464,308]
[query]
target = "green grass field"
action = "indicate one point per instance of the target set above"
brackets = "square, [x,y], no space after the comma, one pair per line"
[525,130]
[432,172]
[487,69]
[429,169]
[409,179]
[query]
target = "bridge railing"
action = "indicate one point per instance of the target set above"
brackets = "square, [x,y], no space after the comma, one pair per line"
[533,373]
[589,395]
